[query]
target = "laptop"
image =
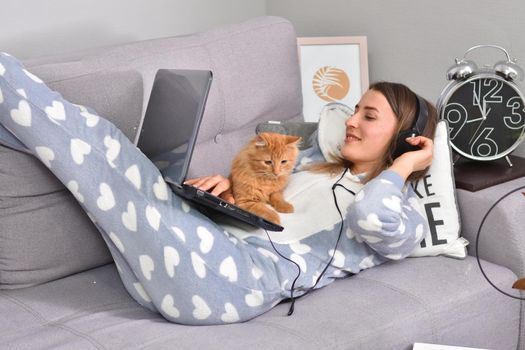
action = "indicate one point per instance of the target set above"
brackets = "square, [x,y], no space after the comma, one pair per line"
[169,133]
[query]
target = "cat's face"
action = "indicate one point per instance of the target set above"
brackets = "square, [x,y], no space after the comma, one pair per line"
[273,155]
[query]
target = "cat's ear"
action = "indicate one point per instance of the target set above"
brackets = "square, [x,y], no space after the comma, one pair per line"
[292,139]
[260,141]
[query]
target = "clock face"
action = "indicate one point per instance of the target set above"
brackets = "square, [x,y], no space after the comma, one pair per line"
[486,117]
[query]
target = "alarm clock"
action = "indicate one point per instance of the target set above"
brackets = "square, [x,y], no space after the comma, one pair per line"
[484,107]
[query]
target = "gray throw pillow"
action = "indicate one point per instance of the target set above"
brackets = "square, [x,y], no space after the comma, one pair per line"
[44,233]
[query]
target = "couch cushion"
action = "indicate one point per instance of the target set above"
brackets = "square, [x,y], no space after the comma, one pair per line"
[434,300]
[45,233]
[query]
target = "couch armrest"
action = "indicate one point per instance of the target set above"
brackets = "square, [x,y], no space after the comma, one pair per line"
[502,238]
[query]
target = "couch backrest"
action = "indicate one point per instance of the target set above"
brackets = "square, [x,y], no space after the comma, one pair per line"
[256,78]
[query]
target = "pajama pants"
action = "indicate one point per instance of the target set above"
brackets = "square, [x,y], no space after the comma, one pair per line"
[171,258]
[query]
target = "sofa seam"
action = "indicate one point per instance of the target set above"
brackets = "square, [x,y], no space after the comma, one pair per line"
[290,330]
[53,324]
[412,296]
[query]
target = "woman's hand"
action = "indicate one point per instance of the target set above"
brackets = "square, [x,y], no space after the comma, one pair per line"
[409,162]
[217,185]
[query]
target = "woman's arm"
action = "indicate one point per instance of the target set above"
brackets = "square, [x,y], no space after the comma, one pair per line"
[388,219]
[410,162]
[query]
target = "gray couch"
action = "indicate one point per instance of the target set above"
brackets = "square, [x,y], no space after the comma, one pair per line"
[60,289]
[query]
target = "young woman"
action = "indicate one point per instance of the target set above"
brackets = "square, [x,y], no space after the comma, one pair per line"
[176,261]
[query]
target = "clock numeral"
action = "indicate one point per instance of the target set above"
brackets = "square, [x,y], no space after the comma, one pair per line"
[481,98]
[457,116]
[515,120]
[483,145]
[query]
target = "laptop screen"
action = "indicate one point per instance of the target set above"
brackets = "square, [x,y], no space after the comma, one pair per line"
[172,120]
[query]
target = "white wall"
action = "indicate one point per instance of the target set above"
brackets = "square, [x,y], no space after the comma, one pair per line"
[415,41]
[33,28]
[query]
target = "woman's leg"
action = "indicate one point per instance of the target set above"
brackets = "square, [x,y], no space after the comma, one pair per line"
[171,258]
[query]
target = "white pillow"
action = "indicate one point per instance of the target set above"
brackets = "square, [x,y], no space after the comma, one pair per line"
[436,191]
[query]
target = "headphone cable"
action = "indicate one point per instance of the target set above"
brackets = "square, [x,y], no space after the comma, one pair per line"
[292,288]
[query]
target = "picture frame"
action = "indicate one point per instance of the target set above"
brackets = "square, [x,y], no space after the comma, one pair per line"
[333,69]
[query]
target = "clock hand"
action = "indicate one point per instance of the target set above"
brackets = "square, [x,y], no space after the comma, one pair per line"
[474,120]
[483,118]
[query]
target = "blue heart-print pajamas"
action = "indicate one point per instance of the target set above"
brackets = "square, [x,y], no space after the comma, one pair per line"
[172,259]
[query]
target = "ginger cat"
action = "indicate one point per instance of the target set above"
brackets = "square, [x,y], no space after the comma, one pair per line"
[260,172]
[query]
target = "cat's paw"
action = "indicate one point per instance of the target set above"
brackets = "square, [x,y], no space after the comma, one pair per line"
[283,207]
[272,216]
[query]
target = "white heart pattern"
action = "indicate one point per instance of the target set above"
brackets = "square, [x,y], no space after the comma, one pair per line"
[73,187]
[160,189]
[171,259]
[202,310]
[153,216]
[198,265]
[32,76]
[268,254]
[394,256]
[185,206]
[133,175]
[359,196]
[367,262]
[91,119]
[231,315]
[228,269]
[1,97]
[2,69]
[339,258]
[147,266]
[372,223]
[22,115]
[393,203]
[140,289]
[168,307]
[300,248]
[179,233]
[419,232]
[257,272]
[299,260]
[45,154]
[113,147]
[305,160]
[206,239]
[22,93]
[349,233]
[398,243]
[371,239]
[117,242]
[79,149]
[56,112]
[106,201]
[254,299]
[129,218]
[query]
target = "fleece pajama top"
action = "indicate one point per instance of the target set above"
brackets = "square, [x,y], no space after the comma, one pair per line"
[174,260]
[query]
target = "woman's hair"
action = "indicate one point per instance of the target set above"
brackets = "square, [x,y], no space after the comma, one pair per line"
[403,102]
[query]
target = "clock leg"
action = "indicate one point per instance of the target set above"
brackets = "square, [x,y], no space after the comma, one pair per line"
[508,161]
[455,159]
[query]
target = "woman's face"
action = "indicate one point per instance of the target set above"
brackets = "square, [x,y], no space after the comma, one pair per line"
[369,132]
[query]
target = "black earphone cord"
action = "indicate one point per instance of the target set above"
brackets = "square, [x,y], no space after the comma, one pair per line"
[292,297]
